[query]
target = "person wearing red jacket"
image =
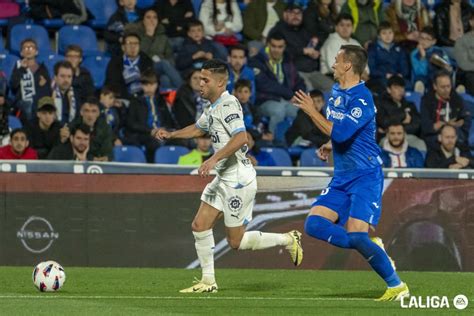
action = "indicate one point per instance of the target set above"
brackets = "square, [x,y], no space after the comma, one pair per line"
[19,147]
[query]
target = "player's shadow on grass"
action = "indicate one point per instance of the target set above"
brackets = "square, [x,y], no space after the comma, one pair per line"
[361,294]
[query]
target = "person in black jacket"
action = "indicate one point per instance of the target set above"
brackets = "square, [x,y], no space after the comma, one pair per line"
[77,148]
[460,10]
[447,154]
[4,112]
[303,129]
[175,16]
[392,106]
[123,72]
[29,81]
[442,105]
[319,18]
[147,113]
[82,81]
[189,104]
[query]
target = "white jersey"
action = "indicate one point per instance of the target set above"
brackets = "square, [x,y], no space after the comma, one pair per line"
[222,120]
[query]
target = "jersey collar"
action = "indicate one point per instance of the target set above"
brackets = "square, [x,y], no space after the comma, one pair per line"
[225,93]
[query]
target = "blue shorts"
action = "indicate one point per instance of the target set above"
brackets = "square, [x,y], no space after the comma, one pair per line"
[358,196]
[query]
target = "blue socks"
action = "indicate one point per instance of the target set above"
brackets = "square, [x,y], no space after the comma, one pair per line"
[325,230]
[376,257]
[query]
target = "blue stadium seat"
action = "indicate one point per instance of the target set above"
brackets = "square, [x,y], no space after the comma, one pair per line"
[280,130]
[80,35]
[468,102]
[102,11]
[279,155]
[20,32]
[170,154]
[197,6]
[415,97]
[471,135]
[97,65]
[129,154]
[53,23]
[7,62]
[14,122]
[2,47]
[309,159]
[145,4]
[49,61]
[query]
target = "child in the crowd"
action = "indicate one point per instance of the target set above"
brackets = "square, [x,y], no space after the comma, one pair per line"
[112,110]
[242,92]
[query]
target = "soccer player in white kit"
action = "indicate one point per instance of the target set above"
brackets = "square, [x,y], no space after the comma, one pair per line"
[233,190]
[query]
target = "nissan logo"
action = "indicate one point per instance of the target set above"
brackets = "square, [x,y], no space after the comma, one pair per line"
[37,234]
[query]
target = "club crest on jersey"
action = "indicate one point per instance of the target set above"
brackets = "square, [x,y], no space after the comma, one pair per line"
[338,101]
[356,112]
[235,203]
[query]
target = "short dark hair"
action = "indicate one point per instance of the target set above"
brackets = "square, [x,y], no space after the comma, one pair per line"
[430,31]
[108,90]
[316,93]
[357,56]
[62,64]
[19,130]
[216,66]
[243,83]
[149,77]
[396,81]
[93,101]
[193,23]
[394,122]
[28,40]
[441,73]
[447,126]
[238,47]
[74,48]
[277,36]
[344,16]
[385,25]
[83,128]
[130,34]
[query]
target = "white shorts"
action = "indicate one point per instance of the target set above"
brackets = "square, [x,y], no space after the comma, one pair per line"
[237,204]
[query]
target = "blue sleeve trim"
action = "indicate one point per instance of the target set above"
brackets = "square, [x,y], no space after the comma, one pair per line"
[201,128]
[238,130]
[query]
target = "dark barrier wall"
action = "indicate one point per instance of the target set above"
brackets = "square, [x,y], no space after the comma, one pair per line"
[144,220]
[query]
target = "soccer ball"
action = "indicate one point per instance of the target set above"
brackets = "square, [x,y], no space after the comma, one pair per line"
[49,276]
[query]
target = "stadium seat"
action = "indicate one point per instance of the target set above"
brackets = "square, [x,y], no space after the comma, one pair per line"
[20,32]
[14,122]
[49,61]
[53,23]
[471,135]
[2,47]
[97,65]
[102,11]
[295,151]
[279,155]
[309,159]
[280,130]
[145,4]
[197,6]
[7,62]
[170,154]
[129,154]
[468,103]
[415,97]
[80,35]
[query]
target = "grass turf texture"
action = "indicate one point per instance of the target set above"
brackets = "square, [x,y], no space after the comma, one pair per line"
[124,291]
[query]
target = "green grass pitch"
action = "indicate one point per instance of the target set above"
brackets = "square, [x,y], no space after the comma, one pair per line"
[124,291]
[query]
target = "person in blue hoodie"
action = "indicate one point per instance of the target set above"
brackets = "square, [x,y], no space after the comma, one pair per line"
[386,59]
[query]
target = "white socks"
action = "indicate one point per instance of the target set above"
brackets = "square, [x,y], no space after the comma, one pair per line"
[204,243]
[256,240]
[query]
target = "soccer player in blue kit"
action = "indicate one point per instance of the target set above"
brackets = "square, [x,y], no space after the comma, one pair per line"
[354,195]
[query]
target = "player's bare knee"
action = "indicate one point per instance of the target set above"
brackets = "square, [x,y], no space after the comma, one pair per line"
[234,243]
[197,226]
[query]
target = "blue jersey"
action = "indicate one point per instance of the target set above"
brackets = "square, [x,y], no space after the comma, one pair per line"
[352,112]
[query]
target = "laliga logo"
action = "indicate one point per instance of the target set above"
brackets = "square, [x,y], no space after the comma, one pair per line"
[94,169]
[460,302]
[37,234]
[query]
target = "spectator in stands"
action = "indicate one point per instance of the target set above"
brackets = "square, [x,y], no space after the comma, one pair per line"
[442,106]
[303,132]
[123,72]
[82,81]
[156,45]
[302,47]
[189,105]
[464,55]
[386,59]
[407,18]
[447,154]
[4,112]
[242,92]
[113,112]
[331,46]
[146,114]
[72,12]
[175,16]
[29,80]
[255,155]
[259,18]
[198,155]
[319,18]
[238,69]
[367,15]
[222,20]
[101,137]
[276,80]
[44,131]
[396,153]
[77,148]
[393,107]
[197,49]
[19,147]
[114,31]
[427,59]
[65,98]
[451,22]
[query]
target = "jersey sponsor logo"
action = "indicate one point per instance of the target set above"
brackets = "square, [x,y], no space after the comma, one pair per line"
[353,119]
[356,112]
[235,203]
[363,101]
[215,138]
[336,115]
[231,117]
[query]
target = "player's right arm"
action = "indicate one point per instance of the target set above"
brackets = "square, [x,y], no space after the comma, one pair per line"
[190,131]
